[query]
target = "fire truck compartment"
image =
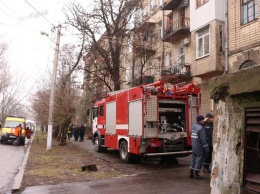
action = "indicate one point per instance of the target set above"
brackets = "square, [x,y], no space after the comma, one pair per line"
[172,116]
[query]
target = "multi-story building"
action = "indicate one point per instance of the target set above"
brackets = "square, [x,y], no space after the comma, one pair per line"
[182,39]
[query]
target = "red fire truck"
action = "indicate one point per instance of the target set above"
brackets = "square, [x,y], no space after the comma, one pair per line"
[146,121]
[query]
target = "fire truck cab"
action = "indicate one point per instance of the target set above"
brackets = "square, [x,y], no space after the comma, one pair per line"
[145,121]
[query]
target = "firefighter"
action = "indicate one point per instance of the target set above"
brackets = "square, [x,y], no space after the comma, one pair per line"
[199,147]
[17,133]
[208,125]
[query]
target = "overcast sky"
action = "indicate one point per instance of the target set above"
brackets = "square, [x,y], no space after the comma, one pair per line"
[31,53]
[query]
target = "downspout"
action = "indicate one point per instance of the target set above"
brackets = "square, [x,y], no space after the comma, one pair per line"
[226,39]
[162,32]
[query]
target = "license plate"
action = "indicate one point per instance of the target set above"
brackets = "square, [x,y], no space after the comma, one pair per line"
[12,136]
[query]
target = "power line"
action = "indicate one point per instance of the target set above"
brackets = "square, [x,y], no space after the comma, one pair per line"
[15,19]
[39,12]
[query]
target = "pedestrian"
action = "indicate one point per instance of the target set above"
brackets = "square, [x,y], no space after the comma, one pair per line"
[76,132]
[69,132]
[208,125]
[82,132]
[199,146]
[17,133]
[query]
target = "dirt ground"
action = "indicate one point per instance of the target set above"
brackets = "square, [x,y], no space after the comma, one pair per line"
[63,165]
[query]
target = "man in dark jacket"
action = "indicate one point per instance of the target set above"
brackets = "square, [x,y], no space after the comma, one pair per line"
[81,132]
[199,146]
[208,125]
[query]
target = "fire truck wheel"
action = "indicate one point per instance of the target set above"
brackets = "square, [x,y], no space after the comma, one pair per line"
[123,151]
[98,147]
[2,141]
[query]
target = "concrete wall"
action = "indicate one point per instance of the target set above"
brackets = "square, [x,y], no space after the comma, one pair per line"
[232,93]
[203,15]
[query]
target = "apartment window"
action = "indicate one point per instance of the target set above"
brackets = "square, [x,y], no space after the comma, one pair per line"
[128,74]
[203,42]
[159,2]
[249,11]
[169,59]
[201,2]
[129,45]
[248,64]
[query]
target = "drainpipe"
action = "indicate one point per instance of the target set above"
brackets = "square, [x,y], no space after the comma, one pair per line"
[162,32]
[226,40]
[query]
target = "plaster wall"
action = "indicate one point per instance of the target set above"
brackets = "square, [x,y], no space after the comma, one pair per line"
[201,16]
[232,93]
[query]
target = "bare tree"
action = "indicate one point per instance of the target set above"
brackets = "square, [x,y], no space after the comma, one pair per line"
[11,87]
[105,28]
[67,98]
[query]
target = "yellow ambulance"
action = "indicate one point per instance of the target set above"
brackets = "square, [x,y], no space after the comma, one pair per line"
[8,127]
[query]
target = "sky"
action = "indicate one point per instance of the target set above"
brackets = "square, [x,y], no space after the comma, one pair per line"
[30,53]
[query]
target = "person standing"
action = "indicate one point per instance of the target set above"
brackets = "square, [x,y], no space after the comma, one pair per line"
[208,125]
[76,132]
[199,146]
[17,133]
[69,132]
[81,132]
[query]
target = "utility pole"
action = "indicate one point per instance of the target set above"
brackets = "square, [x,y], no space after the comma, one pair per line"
[52,95]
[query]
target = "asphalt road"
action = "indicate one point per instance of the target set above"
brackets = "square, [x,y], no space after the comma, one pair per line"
[152,178]
[10,160]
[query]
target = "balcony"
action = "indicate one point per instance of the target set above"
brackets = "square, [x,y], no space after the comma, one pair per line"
[180,72]
[146,49]
[173,4]
[179,29]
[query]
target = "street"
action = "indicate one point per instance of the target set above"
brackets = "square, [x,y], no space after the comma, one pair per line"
[145,177]
[11,159]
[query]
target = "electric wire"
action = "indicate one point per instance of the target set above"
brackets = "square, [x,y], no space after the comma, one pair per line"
[39,13]
[27,27]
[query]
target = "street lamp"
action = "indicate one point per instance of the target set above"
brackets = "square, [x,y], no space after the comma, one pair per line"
[52,94]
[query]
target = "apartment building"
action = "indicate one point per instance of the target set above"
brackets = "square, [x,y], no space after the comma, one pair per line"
[182,39]
[159,48]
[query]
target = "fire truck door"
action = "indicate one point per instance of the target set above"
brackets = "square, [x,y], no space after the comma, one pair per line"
[111,118]
[135,117]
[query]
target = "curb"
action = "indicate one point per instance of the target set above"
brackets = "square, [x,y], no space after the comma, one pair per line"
[19,177]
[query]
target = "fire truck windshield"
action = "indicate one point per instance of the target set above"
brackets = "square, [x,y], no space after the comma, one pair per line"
[95,112]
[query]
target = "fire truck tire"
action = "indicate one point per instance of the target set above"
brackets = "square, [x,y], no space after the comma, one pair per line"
[98,147]
[123,152]
[126,156]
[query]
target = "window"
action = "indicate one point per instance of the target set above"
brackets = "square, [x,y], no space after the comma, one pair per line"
[129,45]
[101,113]
[128,74]
[201,2]
[247,64]
[159,2]
[169,59]
[160,31]
[203,42]
[249,11]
